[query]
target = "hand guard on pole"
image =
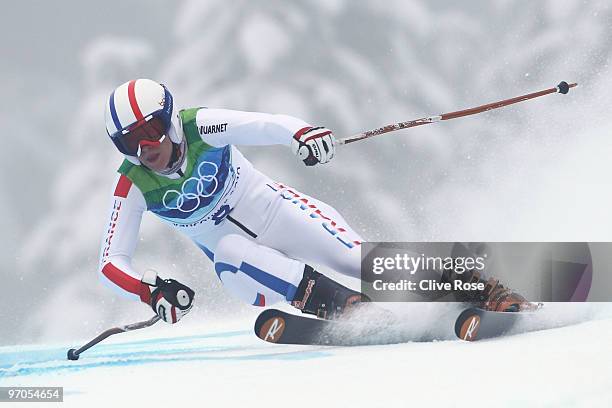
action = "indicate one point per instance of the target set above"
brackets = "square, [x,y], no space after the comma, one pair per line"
[314,145]
[171,300]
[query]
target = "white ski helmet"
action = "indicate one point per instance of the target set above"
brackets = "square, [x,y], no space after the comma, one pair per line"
[141,110]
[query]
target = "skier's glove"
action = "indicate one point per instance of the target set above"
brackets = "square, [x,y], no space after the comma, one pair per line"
[314,145]
[170,299]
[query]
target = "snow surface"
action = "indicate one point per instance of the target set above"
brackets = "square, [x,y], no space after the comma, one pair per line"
[228,366]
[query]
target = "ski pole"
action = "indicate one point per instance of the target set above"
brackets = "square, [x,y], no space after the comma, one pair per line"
[562,88]
[73,354]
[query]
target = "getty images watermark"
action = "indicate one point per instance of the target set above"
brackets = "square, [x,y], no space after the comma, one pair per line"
[411,265]
[541,271]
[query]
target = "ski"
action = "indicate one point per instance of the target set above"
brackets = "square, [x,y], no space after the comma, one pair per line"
[276,326]
[477,324]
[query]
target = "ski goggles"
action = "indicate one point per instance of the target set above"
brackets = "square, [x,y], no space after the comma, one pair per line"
[151,130]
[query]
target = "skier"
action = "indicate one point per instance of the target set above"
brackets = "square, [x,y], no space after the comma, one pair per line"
[260,234]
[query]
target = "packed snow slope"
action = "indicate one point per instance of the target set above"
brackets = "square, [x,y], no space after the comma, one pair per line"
[229,366]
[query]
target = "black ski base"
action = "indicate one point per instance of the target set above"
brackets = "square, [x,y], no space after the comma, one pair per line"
[477,324]
[276,326]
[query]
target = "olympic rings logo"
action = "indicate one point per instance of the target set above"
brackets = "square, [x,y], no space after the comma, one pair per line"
[188,199]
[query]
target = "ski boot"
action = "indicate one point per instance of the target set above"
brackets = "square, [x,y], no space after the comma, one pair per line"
[495,297]
[319,295]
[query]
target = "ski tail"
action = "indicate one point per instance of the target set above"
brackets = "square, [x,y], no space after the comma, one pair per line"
[477,324]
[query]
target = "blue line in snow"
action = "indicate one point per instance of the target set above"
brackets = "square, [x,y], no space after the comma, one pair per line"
[66,366]
[9,356]
[40,361]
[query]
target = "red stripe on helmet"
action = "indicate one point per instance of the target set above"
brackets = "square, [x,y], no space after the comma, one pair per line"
[133,102]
